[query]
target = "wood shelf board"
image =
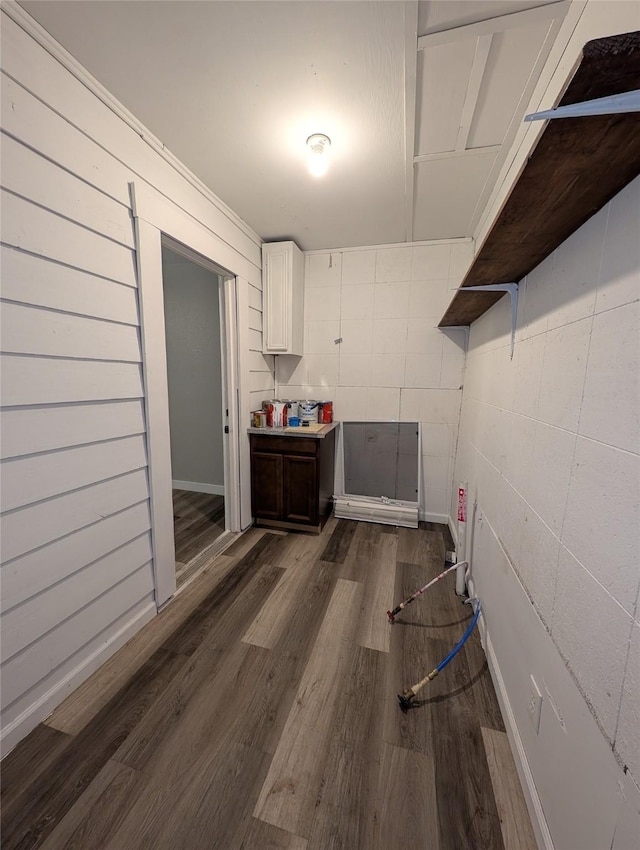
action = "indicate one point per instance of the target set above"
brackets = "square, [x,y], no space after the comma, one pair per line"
[578,165]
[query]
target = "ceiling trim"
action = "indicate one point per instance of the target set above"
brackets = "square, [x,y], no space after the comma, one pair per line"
[454,240]
[430,157]
[24,20]
[546,47]
[481,55]
[501,23]
[578,165]
[410,87]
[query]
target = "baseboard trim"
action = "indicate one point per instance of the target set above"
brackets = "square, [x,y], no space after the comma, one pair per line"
[19,728]
[197,487]
[425,516]
[534,806]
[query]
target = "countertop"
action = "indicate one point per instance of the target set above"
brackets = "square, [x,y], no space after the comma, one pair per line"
[295,432]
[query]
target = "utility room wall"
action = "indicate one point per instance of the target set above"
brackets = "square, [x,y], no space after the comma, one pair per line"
[194,373]
[549,444]
[392,362]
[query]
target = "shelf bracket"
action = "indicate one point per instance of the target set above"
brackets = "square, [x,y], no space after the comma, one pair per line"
[628,101]
[512,289]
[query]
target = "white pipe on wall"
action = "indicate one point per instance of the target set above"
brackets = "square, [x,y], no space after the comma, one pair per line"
[462,539]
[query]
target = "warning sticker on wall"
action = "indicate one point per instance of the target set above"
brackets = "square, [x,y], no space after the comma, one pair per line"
[462,504]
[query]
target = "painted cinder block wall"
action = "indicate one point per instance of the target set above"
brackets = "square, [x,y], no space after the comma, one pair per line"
[549,444]
[392,363]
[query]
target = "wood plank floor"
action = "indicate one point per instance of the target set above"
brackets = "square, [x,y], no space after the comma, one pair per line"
[198,520]
[259,711]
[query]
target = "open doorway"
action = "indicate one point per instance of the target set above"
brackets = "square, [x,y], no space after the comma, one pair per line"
[193,312]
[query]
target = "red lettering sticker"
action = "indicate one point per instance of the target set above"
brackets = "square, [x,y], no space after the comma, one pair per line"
[462,505]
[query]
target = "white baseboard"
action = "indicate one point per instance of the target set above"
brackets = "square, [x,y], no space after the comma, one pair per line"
[19,728]
[534,806]
[197,487]
[425,516]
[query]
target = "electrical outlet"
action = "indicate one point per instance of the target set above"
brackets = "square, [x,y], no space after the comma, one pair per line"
[535,705]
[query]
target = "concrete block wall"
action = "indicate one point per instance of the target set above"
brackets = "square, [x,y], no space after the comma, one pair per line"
[549,443]
[384,305]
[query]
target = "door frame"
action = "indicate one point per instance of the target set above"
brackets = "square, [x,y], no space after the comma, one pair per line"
[229,365]
[159,221]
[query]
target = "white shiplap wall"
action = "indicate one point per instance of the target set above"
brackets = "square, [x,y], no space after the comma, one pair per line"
[76,573]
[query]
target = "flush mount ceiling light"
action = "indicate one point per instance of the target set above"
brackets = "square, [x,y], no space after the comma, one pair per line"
[318,145]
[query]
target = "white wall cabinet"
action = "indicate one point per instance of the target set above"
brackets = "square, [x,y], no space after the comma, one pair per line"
[282,298]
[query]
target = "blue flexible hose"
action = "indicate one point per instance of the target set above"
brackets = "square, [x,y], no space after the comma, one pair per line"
[465,637]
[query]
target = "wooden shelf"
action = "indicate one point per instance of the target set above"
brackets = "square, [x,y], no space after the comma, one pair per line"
[578,165]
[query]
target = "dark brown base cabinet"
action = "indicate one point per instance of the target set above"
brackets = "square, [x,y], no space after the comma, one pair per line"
[292,480]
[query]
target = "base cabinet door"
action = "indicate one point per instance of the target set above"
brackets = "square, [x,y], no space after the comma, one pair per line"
[300,489]
[292,480]
[266,485]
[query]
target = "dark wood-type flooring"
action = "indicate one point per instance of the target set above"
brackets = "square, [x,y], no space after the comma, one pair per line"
[259,710]
[198,520]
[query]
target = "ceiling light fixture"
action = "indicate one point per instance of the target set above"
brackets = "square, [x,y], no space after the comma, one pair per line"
[318,145]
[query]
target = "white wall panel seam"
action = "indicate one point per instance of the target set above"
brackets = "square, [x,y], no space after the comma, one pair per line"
[133,286]
[8,561]
[77,222]
[122,201]
[65,312]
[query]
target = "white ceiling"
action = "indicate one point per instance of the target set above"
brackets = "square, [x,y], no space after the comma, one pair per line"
[419,126]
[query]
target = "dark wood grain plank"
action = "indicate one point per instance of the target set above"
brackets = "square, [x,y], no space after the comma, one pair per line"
[413,652]
[467,811]
[264,836]
[512,808]
[208,807]
[32,757]
[268,705]
[199,519]
[408,801]
[99,811]
[422,547]
[192,632]
[338,546]
[44,802]
[365,545]
[287,797]
[244,542]
[348,807]
[184,750]
[211,677]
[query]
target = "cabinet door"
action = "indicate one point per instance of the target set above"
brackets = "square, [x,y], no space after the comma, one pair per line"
[282,298]
[266,485]
[300,489]
[277,267]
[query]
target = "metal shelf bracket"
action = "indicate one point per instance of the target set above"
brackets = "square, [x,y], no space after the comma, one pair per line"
[628,101]
[512,289]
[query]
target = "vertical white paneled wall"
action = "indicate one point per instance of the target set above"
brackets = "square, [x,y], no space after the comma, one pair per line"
[549,443]
[76,572]
[373,347]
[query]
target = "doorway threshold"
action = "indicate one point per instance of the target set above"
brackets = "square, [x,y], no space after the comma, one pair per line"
[203,559]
